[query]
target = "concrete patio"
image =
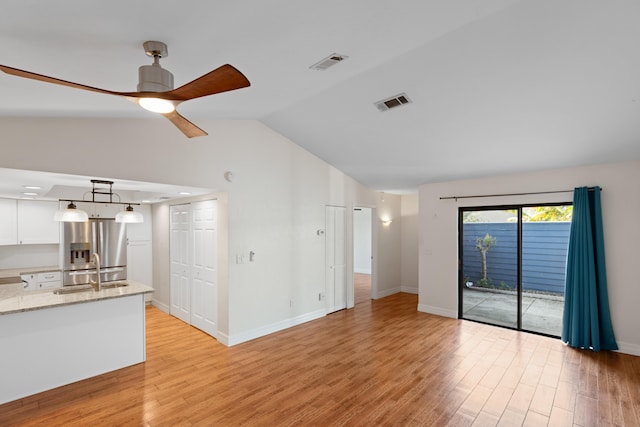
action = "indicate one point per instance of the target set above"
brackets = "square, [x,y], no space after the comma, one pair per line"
[540,312]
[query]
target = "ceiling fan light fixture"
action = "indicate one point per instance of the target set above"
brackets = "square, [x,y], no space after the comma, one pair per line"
[157,105]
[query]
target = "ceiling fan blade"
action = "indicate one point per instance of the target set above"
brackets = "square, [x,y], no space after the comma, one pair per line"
[222,79]
[186,127]
[34,76]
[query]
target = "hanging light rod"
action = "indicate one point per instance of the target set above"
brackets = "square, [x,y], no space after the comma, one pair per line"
[99,202]
[73,214]
[104,191]
[508,194]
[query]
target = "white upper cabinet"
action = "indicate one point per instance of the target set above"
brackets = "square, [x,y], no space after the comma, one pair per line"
[8,222]
[35,222]
[100,210]
[24,222]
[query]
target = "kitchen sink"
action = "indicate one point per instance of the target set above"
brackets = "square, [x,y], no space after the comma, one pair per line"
[111,285]
[73,289]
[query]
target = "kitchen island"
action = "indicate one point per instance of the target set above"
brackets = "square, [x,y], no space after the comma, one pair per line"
[48,340]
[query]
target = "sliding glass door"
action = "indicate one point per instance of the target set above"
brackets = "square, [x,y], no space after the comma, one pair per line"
[512,266]
[489,276]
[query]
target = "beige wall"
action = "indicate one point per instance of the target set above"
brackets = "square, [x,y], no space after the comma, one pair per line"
[438,252]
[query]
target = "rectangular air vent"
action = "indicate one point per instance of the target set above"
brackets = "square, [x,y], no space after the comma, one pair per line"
[393,102]
[329,61]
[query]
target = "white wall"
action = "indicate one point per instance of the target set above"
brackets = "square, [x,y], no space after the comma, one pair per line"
[386,247]
[362,240]
[19,256]
[409,237]
[275,204]
[438,252]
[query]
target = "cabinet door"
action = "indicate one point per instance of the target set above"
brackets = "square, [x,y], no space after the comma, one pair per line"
[107,210]
[49,280]
[140,231]
[8,222]
[100,210]
[35,222]
[139,261]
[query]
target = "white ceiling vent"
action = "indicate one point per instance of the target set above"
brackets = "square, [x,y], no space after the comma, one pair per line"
[329,61]
[393,102]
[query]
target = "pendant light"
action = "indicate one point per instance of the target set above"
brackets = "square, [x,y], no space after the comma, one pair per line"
[71,214]
[129,216]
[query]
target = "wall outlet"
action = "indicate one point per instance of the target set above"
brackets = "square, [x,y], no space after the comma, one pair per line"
[240,259]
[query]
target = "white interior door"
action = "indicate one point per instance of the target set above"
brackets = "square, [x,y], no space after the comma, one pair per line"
[336,259]
[204,289]
[179,256]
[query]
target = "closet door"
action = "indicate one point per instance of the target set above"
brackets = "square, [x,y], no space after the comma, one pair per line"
[180,259]
[204,288]
[336,258]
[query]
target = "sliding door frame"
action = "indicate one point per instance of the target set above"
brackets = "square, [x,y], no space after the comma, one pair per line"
[519,289]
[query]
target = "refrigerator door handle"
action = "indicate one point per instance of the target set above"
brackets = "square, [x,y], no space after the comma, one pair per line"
[111,270]
[78,273]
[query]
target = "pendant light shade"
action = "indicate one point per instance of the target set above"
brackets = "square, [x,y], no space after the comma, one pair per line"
[71,214]
[129,216]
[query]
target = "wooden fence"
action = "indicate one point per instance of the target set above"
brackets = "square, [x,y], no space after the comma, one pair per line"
[544,255]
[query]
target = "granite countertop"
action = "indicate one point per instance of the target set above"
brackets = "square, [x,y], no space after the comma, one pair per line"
[14,299]
[12,275]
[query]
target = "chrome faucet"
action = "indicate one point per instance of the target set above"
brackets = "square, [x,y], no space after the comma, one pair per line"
[95,259]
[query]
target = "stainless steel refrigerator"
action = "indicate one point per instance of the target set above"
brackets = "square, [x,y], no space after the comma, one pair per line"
[80,240]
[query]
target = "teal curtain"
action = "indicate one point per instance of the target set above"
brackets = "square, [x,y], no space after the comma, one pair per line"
[587,319]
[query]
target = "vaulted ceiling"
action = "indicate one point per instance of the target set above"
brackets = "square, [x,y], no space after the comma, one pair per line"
[496,87]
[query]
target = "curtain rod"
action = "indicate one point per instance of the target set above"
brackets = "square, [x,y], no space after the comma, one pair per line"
[509,194]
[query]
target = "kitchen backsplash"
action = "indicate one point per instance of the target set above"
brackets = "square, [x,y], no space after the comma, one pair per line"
[19,256]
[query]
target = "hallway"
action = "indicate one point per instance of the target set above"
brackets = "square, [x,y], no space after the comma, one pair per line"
[362,287]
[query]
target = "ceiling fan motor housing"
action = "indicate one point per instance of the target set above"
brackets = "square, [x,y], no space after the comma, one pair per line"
[154,78]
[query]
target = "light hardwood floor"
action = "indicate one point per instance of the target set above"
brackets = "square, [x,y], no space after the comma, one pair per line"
[381,363]
[361,288]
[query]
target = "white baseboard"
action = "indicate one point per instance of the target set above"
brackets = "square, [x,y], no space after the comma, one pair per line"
[362,270]
[223,339]
[269,329]
[437,311]
[162,306]
[409,289]
[386,293]
[629,348]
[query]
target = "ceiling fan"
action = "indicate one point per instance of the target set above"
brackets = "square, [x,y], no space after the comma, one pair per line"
[155,88]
